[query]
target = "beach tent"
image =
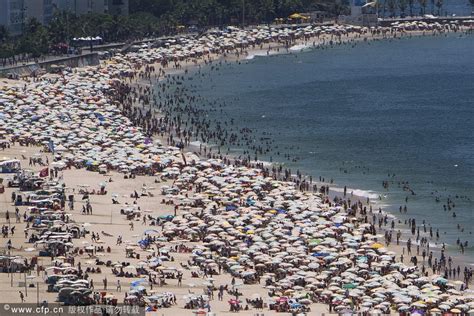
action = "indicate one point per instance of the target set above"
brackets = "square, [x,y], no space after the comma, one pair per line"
[10,166]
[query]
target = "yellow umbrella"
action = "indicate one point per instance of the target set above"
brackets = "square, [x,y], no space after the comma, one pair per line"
[295,16]
[376,245]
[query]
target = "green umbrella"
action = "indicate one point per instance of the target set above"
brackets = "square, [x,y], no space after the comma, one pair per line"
[314,242]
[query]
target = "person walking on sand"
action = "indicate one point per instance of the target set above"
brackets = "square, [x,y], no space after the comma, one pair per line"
[22,297]
[105,283]
[131,225]
[119,287]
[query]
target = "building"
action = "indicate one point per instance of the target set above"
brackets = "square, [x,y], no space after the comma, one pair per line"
[78,7]
[316,16]
[356,8]
[14,13]
[41,10]
[363,12]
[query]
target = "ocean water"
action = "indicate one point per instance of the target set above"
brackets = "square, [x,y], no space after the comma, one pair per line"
[400,111]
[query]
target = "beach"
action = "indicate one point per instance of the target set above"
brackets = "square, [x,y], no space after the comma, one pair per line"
[186,226]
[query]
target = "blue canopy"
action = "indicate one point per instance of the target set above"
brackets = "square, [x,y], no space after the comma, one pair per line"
[250,202]
[231,207]
[137,282]
[167,217]
[139,288]
[99,116]
[143,242]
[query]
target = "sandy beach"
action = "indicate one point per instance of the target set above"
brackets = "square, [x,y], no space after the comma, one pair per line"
[106,217]
[188,229]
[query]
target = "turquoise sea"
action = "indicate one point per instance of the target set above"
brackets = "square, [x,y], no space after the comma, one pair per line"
[400,111]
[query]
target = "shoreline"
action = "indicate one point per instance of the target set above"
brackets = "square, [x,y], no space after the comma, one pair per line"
[310,44]
[461,259]
[124,223]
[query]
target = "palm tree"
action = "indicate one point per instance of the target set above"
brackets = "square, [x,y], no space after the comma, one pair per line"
[411,3]
[337,9]
[439,5]
[4,35]
[392,7]
[6,48]
[383,6]
[58,27]
[378,8]
[402,4]
[423,4]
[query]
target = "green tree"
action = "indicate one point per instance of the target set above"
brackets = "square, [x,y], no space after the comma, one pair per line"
[4,34]
[383,7]
[402,5]
[392,7]
[157,17]
[6,47]
[411,4]
[471,2]
[34,40]
[439,5]
[6,50]
[337,9]
[58,27]
[423,4]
